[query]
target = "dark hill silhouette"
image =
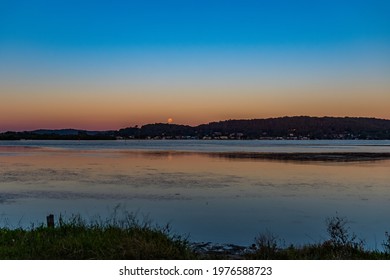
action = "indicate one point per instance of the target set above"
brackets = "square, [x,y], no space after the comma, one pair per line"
[300,127]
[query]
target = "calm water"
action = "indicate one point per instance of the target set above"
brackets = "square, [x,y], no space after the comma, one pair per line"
[209,198]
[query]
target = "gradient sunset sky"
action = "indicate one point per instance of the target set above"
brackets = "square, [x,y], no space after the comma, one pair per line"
[102,65]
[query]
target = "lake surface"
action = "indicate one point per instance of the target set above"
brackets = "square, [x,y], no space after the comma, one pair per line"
[208,197]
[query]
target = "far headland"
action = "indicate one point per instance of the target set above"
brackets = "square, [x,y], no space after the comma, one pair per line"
[291,128]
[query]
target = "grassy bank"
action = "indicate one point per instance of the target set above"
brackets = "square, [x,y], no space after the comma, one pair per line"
[129,238]
[77,239]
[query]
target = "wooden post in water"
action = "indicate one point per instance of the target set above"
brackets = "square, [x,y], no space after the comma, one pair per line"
[50,221]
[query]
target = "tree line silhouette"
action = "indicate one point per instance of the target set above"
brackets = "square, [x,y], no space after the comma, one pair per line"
[300,127]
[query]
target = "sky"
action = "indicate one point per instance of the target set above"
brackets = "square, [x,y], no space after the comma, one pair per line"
[102,65]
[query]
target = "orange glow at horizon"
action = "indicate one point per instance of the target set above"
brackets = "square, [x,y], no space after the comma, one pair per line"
[106,109]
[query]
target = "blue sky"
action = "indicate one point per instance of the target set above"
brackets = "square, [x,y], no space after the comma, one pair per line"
[227,54]
[78,24]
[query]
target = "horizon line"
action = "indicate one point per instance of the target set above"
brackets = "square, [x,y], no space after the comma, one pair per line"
[172,123]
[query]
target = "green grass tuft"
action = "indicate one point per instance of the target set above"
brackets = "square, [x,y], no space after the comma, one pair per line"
[77,239]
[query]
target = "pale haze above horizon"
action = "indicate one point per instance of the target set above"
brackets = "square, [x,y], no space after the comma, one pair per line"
[101,65]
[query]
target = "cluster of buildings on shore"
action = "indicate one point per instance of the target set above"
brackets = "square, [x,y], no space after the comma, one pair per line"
[241,136]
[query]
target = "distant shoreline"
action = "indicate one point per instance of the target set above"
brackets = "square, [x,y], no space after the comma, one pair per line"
[287,128]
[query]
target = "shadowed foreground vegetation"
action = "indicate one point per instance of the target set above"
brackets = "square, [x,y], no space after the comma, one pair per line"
[128,238]
[77,239]
[341,245]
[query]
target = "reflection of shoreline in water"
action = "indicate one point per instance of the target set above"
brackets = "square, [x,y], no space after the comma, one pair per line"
[299,156]
[277,156]
[336,157]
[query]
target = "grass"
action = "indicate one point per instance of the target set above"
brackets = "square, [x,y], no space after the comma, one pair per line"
[77,239]
[341,245]
[128,238]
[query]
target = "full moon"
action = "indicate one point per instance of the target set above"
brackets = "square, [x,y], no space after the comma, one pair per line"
[170,120]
